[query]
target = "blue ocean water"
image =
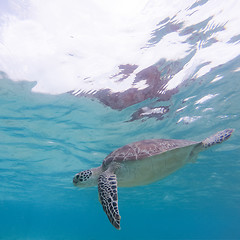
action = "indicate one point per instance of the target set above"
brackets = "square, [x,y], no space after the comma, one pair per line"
[46,139]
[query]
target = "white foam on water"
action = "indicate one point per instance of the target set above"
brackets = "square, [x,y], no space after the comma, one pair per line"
[217,78]
[223,14]
[188,119]
[206,98]
[67,45]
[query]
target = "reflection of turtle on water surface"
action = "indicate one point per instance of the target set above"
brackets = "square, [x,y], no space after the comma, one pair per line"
[141,163]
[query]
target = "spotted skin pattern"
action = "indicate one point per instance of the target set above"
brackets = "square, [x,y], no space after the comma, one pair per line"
[84,175]
[107,189]
[219,137]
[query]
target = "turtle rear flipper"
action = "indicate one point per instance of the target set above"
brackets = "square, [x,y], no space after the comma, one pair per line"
[219,137]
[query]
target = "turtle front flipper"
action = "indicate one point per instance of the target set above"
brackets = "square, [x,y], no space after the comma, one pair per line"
[219,137]
[107,190]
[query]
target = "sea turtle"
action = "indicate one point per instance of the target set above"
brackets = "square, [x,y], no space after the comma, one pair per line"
[141,163]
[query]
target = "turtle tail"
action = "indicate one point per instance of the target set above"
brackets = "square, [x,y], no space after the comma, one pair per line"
[219,137]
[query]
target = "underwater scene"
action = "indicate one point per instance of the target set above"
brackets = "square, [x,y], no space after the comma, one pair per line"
[80,79]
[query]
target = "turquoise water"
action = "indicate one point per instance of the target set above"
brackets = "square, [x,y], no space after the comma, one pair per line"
[46,139]
[121,60]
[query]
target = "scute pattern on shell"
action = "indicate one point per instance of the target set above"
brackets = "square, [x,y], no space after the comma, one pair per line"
[144,149]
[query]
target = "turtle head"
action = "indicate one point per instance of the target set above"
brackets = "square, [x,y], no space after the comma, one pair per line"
[87,178]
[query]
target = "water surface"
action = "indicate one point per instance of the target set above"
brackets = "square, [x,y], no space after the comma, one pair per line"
[190,92]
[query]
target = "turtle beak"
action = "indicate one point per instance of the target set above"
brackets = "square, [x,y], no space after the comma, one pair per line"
[75,179]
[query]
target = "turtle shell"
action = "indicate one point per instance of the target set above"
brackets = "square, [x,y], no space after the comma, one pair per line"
[144,149]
